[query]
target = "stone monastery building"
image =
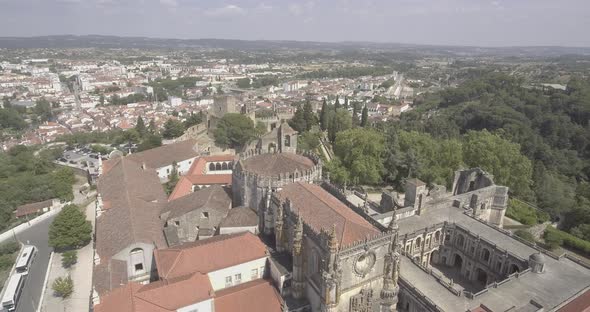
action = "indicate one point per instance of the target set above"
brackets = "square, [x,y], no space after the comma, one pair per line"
[283,238]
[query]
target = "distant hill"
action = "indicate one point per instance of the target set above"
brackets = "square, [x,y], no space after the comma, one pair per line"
[98,41]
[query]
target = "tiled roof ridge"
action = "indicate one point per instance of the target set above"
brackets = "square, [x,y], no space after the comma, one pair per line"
[181,251]
[127,197]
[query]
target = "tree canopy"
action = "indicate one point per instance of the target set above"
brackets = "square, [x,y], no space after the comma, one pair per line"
[70,229]
[234,130]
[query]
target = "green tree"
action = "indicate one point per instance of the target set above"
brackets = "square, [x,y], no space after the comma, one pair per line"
[243,83]
[193,119]
[70,229]
[324,116]
[152,128]
[298,122]
[308,141]
[360,152]
[63,287]
[309,116]
[364,116]
[69,258]
[234,131]
[173,129]
[140,127]
[501,158]
[63,179]
[337,103]
[101,99]
[43,110]
[149,141]
[340,120]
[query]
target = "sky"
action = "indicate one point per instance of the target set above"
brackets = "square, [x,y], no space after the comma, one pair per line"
[436,22]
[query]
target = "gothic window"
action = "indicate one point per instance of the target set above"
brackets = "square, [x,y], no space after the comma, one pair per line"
[287,140]
[224,166]
[314,264]
[418,242]
[218,166]
[211,167]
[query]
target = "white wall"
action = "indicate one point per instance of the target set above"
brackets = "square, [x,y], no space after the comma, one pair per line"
[203,306]
[182,167]
[217,278]
[231,230]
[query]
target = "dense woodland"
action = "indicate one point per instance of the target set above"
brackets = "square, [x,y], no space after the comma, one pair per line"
[27,176]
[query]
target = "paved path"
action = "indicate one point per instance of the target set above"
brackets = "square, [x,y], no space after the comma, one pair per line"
[81,274]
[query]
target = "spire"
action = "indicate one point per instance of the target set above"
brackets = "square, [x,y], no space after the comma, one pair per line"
[393,223]
[333,242]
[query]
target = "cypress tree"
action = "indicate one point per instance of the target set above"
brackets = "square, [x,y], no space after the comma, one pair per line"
[337,104]
[324,116]
[140,127]
[364,116]
[346,102]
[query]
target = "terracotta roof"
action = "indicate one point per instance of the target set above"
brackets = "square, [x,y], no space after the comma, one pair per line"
[132,199]
[240,216]
[109,275]
[579,304]
[213,198]
[209,255]
[224,179]
[161,296]
[183,187]
[241,298]
[275,164]
[165,155]
[320,210]
[32,208]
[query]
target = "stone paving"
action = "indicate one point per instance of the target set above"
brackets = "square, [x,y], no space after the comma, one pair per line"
[81,274]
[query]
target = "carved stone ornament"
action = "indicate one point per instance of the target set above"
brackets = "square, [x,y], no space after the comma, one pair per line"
[364,263]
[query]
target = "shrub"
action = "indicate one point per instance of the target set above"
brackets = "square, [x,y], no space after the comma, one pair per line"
[9,248]
[63,287]
[552,238]
[6,261]
[69,258]
[568,240]
[525,214]
[526,235]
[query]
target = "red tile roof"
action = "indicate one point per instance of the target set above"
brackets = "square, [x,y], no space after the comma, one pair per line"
[579,304]
[161,296]
[258,295]
[320,210]
[209,255]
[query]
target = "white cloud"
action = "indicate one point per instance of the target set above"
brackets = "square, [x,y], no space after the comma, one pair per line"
[295,9]
[169,3]
[228,10]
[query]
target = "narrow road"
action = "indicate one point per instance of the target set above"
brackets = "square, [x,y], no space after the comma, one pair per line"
[36,235]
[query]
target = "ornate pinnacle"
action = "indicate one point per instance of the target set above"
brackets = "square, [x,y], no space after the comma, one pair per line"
[333,243]
[393,223]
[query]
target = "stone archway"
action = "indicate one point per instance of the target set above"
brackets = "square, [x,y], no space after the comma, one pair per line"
[458,262]
[513,269]
[481,276]
[434,257]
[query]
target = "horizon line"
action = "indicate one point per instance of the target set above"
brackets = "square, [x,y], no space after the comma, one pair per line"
[306,41]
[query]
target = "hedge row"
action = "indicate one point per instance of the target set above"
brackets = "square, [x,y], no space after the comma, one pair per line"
[567,240]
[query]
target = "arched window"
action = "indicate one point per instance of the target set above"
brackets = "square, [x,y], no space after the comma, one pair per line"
[272,148]
[460,240]
[437,236]
[230,165]
[418,242]
[287,140]
[485,255]
[224,166]
[218,166]
[211,167]
[136,260]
